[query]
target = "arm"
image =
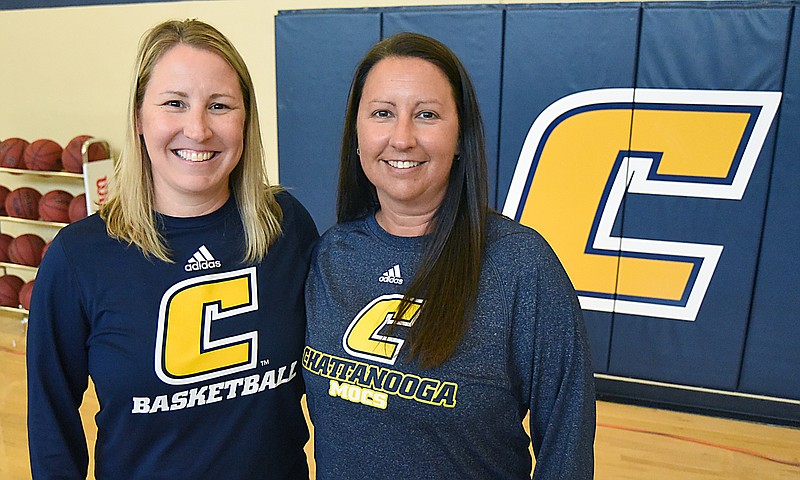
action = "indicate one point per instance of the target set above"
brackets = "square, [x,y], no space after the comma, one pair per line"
[559,384]
[57,371]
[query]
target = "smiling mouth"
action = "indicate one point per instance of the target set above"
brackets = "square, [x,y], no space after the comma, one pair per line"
[194,155]
[402,164]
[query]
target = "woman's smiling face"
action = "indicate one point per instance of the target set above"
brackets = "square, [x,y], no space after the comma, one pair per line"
[192,121]
[408,131]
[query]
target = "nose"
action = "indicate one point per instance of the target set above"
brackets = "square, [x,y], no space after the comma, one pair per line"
[403,134]
[197,126]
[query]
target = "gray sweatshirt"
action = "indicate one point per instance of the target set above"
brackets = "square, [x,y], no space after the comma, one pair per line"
[378,415]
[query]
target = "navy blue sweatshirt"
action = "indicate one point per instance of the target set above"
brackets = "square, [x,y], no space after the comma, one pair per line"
[195,363]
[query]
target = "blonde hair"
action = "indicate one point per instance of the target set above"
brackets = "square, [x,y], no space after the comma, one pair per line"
[129,212]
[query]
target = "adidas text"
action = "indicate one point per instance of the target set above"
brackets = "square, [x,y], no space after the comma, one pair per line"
[387,279]
[204,265]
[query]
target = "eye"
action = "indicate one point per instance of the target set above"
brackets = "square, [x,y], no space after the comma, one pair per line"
[219,106]
[382,113]
[427,115]
[173,104]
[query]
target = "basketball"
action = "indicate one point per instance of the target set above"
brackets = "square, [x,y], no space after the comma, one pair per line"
[44,249]
[26,249]
[25,295]
[9,290]
[43,154]
[54,206]
[12,153]
[77,208]
[5,241]
[23,203]
[4,191]
[71,158]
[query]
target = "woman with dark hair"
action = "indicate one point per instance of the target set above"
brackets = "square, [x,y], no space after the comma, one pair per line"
[183,297]
[435,324]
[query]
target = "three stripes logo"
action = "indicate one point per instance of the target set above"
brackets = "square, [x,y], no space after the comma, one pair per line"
[201,260]
[392,276]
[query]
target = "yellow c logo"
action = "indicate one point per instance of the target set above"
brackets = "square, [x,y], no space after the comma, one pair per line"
[586,151]
[362,338]
[185,351]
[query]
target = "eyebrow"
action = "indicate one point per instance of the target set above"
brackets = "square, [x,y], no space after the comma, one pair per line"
[421,102]
[179,93]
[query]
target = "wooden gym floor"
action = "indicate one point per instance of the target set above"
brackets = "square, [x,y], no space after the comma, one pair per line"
[632,442]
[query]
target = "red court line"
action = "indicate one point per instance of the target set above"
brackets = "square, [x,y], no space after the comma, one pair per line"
[703,442]
[9,350]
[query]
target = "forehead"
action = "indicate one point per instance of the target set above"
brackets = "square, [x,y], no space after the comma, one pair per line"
[185,63]
[407,74]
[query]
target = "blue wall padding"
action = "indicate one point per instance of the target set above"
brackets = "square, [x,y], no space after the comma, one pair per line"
[734,64]
[550,52]
[714,45]
[703,47]
[554,50]
[771,360]
[316,54]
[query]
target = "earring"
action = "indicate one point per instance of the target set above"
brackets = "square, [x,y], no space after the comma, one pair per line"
[358,151]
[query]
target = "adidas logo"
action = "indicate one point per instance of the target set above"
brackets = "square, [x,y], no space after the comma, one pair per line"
[392,276]
[201,260]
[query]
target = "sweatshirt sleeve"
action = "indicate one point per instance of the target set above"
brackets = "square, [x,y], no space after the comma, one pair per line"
[57,371]
[553,366]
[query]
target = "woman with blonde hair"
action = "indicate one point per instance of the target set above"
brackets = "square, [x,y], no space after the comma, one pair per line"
[182,298]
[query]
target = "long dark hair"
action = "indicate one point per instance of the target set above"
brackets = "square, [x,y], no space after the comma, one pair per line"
[450,271]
